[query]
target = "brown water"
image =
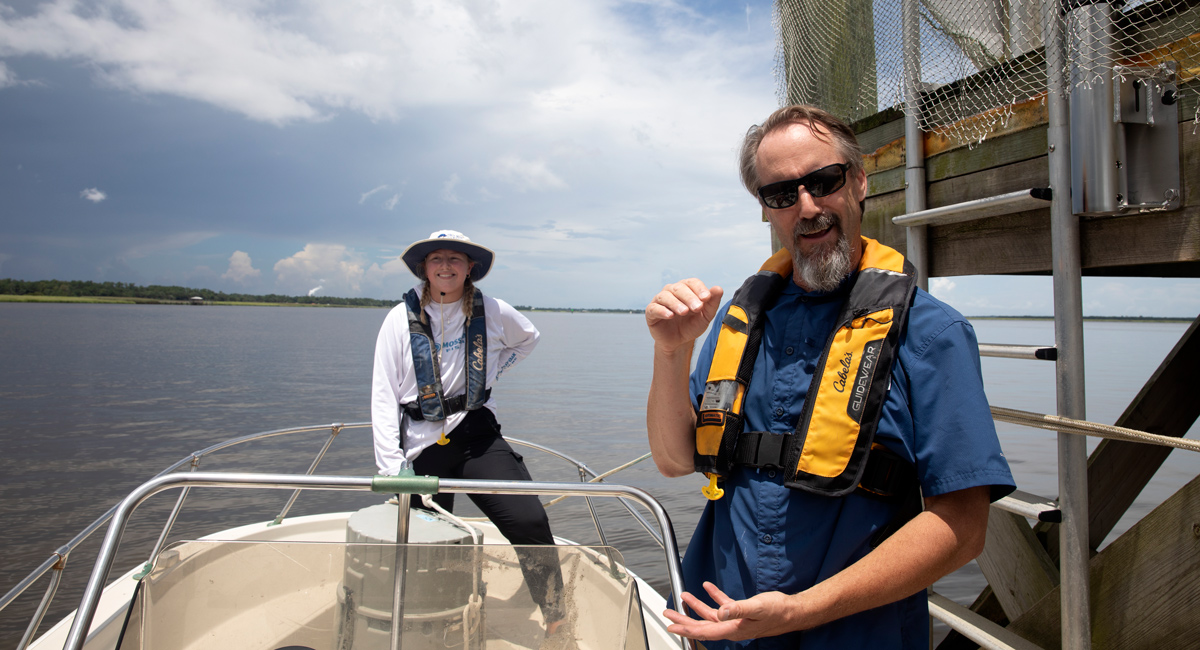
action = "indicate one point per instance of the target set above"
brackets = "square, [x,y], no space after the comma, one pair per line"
[96,399]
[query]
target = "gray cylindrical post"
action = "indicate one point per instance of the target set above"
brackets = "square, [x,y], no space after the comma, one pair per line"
[399,570]
[1094,159]
[1068,336]
[914,144]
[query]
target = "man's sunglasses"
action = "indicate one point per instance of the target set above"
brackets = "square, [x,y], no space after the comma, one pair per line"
[822,182]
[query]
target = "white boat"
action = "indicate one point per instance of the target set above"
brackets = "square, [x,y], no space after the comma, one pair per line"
[326,581]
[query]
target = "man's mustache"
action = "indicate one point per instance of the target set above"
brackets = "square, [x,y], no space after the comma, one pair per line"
[821,222]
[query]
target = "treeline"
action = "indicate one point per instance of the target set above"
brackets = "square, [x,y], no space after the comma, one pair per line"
[88,289]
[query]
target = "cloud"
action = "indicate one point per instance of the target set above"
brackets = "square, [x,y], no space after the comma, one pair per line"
[624,134]
[94,195]
[333,267]
[365,195]
[942,288]
[241,269]
[314,290]
[448,189]
[525,175]
[1141,297]
[390,277]
[287,62]
[7,78]
[280,63]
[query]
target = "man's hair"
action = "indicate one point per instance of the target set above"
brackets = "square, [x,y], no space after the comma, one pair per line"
[843,139]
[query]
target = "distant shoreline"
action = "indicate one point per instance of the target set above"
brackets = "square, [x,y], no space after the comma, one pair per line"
[103,300]
[120,300]
[123,300]
[1148,319]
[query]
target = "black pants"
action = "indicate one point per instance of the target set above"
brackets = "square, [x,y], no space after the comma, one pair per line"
[478,451]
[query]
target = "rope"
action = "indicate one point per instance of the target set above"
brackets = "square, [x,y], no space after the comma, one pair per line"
[1085,428]
[603,476]
[598,478]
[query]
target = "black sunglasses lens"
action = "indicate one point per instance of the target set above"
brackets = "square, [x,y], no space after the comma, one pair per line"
[825,181]
[780,195]
[822,182]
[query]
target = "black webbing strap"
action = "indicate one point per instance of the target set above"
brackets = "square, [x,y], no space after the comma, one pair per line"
[886,475]
[453,405]
[761,449]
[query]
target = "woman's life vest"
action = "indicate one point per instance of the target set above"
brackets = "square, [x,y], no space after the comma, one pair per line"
[432,404]
[828,452]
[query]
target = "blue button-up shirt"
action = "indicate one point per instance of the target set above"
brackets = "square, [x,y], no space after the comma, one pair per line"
[762,536]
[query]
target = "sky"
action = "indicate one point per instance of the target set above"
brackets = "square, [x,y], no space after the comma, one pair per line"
[298,147]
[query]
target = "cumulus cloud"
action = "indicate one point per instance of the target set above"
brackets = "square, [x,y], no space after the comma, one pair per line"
[390,278]
[621,133]
[942,288]
[241,269]
[333,268]
[525,175]
[94,195]
[288,62]
[279,62]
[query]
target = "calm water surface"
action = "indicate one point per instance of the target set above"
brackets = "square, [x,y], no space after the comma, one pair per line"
[96,399]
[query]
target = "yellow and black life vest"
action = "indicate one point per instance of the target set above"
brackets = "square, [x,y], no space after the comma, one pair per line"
[828,453]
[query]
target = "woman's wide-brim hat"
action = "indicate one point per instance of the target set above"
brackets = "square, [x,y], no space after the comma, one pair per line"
[451,240]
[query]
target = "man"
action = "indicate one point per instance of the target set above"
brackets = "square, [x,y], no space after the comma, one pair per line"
[863,391]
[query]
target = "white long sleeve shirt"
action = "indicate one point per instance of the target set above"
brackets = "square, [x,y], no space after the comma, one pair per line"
[510,338]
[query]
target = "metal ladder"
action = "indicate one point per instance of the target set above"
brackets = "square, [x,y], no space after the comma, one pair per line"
[1071,509]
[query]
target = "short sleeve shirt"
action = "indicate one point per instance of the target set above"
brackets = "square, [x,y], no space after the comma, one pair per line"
[762,536]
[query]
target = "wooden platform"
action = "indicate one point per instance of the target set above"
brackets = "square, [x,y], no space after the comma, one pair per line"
[1159,244]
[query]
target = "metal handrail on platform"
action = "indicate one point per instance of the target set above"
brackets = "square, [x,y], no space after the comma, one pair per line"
[1008,351]
[1036,198]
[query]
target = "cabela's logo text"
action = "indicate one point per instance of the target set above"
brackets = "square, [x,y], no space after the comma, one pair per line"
[477,353]
[840,383]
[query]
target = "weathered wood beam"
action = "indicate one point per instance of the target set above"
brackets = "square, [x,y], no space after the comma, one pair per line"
[1146,245]
[1145,586]
[1015,564]
[1166,405]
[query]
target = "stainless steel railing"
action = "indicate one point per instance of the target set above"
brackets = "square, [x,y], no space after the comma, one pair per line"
[57,561]
[382,484]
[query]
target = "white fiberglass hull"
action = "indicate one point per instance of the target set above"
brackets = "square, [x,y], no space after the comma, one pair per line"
[307,595]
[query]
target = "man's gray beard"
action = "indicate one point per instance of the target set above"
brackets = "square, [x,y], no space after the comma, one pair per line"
[825,268]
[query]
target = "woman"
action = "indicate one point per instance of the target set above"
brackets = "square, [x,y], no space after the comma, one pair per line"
[436,358]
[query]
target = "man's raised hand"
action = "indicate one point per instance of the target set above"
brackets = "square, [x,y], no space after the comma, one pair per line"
[681,312]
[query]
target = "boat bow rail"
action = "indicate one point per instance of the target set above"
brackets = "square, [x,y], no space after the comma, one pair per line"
[404,485]
[55,565]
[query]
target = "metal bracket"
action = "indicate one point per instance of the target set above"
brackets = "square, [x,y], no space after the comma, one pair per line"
[1147,114]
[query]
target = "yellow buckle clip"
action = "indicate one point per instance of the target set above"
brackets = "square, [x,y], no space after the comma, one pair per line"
[711,491]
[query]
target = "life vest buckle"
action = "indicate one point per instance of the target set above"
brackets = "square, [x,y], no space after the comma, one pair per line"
[711,491]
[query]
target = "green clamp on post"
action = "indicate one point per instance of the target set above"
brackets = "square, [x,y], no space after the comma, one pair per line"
[144,572]
[406,482]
